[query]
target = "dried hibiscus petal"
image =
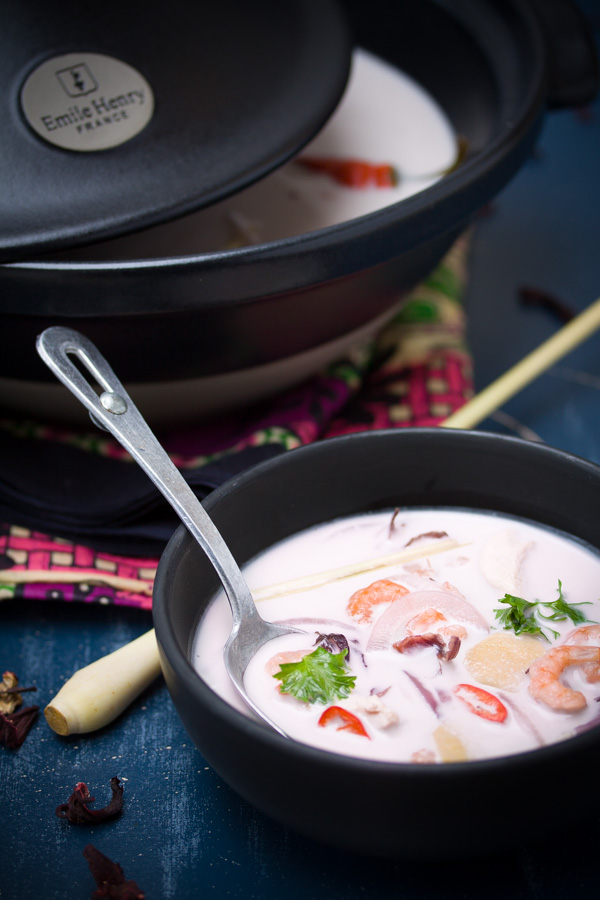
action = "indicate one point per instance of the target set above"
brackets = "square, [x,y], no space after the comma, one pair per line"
[534,296]
[335,643]
[14,727]
[110,878]
[76,810]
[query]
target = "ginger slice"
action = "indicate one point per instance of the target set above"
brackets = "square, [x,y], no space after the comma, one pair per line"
[501,560]
[449,745]
[501,660]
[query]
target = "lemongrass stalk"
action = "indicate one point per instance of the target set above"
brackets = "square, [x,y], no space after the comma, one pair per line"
[98,693]
[75,576]
[309,582]
[535,363]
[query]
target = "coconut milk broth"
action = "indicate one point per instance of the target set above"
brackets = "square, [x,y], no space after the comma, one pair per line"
[517,556]
[383,117]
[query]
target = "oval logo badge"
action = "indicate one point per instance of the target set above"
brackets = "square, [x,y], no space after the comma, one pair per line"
[86,101]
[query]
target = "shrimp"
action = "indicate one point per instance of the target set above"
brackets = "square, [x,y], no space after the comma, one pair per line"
[544,672]
[274,664]
[455,630]
[361,603]
[428,620]
[586,635]
[425,621]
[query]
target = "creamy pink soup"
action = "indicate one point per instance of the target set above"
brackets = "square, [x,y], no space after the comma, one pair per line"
[418,598]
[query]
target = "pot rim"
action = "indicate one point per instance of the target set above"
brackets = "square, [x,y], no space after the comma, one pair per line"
[367,240]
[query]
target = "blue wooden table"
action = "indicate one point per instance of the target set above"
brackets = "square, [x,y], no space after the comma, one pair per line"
[183,833]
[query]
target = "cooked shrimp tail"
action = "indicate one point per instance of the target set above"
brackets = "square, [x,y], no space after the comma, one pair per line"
[545,684]
[586,635]
[361,603]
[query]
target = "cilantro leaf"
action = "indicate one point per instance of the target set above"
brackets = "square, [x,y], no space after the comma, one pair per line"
[319,677]
[562,610]
[520,614]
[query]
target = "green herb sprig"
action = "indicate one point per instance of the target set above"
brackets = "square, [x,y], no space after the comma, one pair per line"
[319,677]
[520,614]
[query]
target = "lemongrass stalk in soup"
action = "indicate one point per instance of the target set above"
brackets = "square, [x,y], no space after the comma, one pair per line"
[488,648]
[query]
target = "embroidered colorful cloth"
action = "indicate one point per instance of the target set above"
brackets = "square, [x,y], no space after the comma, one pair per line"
[111,520]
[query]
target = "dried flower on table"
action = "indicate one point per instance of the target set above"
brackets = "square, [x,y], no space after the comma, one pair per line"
[10,693]
[533,296]
[15,726]
[10,699]
[76,810]
[110,878]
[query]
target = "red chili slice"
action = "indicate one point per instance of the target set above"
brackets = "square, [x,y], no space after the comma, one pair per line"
[481,702]
[351,722]
[355,173]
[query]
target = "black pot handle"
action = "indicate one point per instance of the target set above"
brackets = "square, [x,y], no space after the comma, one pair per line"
[571,54]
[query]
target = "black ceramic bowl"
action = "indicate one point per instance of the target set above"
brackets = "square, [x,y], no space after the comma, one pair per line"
[494,66]
[448,810]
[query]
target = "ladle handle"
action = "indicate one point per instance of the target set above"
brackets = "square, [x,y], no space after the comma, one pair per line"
[114,410]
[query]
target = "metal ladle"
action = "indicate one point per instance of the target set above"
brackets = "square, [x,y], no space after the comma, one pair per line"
[113,410]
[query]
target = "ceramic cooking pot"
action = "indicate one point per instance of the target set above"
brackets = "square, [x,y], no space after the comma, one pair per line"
[200,321]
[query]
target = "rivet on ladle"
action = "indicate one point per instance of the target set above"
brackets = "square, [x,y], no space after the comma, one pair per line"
[113,403]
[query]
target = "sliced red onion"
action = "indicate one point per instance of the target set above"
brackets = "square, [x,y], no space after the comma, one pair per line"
[425,692]
[522,718]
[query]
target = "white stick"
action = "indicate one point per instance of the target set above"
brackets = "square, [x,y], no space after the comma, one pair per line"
[75,576]
[97,694]
[308,582]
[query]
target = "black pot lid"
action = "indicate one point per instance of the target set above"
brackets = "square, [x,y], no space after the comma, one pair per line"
[120,115]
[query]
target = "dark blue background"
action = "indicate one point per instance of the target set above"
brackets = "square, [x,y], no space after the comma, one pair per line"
[183,833]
